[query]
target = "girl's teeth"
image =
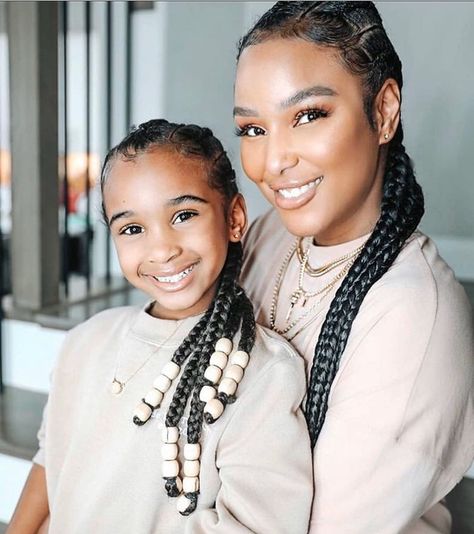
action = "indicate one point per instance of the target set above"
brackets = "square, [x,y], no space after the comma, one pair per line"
[176,277]
[294,192]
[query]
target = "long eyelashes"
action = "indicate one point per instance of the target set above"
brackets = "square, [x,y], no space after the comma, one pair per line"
[303,117]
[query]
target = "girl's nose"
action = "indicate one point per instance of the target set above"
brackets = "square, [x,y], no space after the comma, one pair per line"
[280,156]
[163,248]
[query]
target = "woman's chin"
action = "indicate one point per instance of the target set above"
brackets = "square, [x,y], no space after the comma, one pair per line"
[300,225]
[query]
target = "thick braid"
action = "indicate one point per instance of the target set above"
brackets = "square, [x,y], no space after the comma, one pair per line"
[402,209]
[207,337]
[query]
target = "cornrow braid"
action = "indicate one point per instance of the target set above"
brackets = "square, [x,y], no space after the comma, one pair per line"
[355,31]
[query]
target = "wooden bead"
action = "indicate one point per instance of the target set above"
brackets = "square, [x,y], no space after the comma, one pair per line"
[162,383]
[190,484]
[215,408]
[182,503]
[191,468]
[224,345]
[192,451]
[235,372]
[169,451]
[154,397]
[219,359]
[179,484]
[170,468]
[240,358]
[228,386]
[207,393]
[213,374]
[171,370]
[170,434]
[143,412]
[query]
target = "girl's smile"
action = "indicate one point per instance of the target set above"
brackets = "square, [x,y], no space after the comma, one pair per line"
[170,229]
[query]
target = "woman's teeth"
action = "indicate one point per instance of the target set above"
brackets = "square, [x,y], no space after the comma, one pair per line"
[294,192]
[176,277]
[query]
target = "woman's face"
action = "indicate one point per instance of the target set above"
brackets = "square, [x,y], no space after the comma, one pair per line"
[306,141]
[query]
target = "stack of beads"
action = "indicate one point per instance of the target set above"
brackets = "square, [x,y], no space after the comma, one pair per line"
[226,388]
[153,398]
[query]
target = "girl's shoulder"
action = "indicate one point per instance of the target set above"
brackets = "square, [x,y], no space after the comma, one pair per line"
[273,356]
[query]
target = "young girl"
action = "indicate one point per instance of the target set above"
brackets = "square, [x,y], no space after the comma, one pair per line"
[340,269]
[181,416]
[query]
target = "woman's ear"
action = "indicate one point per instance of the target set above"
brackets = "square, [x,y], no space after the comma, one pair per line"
[387,110]
[237,218]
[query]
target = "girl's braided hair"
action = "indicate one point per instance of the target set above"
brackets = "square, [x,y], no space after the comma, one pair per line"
[230,309]
[355,31]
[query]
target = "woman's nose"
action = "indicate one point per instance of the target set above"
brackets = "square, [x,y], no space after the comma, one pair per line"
[280,155]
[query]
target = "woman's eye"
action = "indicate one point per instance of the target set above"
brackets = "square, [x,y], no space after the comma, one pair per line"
[184,216]
[133,229]
[309,115]
[249,131]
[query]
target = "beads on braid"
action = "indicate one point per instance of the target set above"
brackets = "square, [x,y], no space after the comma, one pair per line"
[222,319]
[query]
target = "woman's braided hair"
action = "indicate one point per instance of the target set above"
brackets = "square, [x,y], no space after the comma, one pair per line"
[355,31]
[231,308]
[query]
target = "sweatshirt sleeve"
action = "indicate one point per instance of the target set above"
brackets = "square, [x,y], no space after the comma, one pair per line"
[264,459]
[398,432]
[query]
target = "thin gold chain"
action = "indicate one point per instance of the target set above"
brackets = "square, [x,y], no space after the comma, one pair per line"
[328,267]
[324,292]
[123,383]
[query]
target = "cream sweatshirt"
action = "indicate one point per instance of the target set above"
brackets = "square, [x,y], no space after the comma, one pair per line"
[399,430]
[104,473]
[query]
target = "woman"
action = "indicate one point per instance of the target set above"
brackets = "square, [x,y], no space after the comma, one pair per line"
[340,269]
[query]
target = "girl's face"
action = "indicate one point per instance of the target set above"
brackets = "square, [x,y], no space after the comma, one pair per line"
[306,141]
[170,229]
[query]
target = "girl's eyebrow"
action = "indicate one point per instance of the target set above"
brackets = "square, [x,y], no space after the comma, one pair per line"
[299,96]
[120,215]
[185,198]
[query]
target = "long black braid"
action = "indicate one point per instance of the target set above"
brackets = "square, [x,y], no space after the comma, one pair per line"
[355,31]
[230,310]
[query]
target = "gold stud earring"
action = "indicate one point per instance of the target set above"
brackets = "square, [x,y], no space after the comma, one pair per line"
[237,235]
[386,136]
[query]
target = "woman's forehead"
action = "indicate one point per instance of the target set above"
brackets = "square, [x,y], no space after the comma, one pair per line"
[278,69]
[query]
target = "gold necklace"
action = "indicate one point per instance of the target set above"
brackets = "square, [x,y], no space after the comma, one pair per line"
[117,386]
[328,267]
[276,292]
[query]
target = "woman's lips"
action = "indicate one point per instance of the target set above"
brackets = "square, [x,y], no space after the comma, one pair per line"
[295,197]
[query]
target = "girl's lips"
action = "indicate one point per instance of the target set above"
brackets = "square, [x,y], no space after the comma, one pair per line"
[174,282]
[295,197]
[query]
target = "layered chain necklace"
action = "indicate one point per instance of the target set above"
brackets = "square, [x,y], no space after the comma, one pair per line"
[300,293]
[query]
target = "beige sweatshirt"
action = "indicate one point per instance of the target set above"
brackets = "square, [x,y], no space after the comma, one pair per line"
[399,430]
[104,473]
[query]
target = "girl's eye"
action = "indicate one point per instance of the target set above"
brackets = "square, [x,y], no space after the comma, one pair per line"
[249,131]
[310,115]
[184,216]
[132,229]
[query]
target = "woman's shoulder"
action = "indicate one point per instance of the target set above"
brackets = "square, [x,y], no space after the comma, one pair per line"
[420,281]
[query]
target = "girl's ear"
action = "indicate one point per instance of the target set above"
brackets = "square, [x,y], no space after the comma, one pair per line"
[387,110]
[237,218]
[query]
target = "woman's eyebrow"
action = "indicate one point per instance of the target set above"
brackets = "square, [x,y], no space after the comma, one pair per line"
[298,97]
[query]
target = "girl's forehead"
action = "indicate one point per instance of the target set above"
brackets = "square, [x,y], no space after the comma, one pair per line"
[163,174]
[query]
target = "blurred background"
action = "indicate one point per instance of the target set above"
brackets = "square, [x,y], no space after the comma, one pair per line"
[74,76]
